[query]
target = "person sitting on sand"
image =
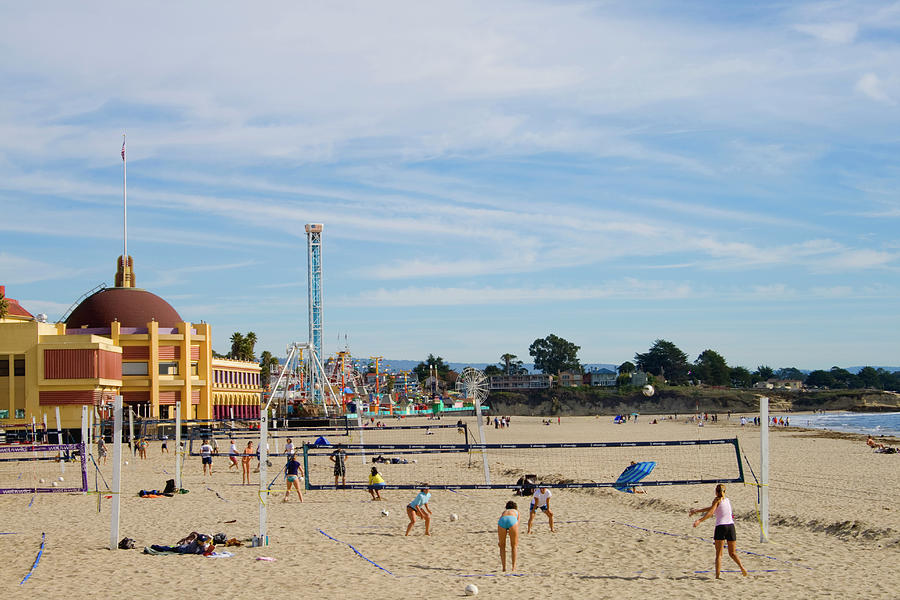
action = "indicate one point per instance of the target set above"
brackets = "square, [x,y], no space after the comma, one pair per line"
[871,443]
[508,526]
[721,507]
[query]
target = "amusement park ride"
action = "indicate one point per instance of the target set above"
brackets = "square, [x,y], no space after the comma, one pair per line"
[311,385]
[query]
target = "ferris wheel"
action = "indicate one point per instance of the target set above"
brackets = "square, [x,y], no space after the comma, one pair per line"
[473,384]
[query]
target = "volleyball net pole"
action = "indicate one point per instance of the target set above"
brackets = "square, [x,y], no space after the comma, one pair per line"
[263,470]
[487,468]
[59,440]
[117,474]
[764,469]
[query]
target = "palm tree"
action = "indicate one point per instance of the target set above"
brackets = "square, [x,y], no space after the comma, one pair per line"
[248,346]
[237,341]
[507,359]
[4,306]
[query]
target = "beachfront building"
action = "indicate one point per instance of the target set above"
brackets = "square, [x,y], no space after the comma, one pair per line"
[119,340]
[570,379]
[603,378]
[520,382]
[639,378]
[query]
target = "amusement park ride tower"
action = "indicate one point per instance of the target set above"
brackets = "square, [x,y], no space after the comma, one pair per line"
[314,257]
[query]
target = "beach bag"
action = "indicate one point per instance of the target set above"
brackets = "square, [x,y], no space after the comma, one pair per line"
[126,544]
[219,539]
[170,487]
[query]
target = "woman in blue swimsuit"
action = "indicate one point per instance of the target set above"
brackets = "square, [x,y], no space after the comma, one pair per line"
[508,525]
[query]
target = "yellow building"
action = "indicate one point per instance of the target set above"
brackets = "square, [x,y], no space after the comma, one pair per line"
[119,340]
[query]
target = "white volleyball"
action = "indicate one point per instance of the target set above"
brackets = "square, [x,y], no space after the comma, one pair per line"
[126,462]
[61,478]
[42,481]
[385,512]
[648,390]
[471,589]
[54,484]
[454,517]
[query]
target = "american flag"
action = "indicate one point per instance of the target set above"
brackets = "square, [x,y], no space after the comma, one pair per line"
[123,147]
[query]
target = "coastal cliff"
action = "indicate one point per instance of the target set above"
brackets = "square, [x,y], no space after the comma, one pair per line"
[682,400]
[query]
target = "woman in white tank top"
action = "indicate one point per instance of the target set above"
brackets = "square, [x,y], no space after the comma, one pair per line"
[721,508]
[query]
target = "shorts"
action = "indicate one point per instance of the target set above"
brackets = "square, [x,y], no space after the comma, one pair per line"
[207,460]
[725,532]
[543,508]
[294,478]
[339,470]
[377,486]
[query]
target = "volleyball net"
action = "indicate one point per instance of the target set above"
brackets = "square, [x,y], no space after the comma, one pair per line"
[33,469]
[558,465]
[329,436]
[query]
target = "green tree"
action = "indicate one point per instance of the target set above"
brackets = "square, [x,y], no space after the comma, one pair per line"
[790,373]
[820,379]
[741,377]
[626,368]
[553,354]
[492,370]
[844,379]
[764,373]
[869,378]
[665,359]
[266,362]
[248,347]
[711,368]
[237,344]
[4,306]
[423,368]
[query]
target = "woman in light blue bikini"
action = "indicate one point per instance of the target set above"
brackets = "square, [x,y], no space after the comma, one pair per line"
[508,525]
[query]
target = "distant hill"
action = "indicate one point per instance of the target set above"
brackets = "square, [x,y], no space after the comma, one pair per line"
[409,365]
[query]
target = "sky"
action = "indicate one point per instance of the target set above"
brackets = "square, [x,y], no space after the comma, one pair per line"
[720,175]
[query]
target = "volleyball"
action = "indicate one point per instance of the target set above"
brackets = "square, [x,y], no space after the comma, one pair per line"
[648,390]
[471,589]
[54,484]
[385,512]
[126,462]
[61,478]
[42,481]
[454,517]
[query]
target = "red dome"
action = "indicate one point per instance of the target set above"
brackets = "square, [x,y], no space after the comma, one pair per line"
[132,307]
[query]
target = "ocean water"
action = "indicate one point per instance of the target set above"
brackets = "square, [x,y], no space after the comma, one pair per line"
[869,423]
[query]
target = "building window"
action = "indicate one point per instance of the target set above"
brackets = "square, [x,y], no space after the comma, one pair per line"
[135,368]
[20,413]
[4,365]
[4,414]
[19,367]
[195,369]
[168,368]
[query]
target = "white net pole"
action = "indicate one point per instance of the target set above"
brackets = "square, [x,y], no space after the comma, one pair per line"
[131,430]
[263,473]
[117,474]
[59,440]
[178,448]
[487,468]
[764,469]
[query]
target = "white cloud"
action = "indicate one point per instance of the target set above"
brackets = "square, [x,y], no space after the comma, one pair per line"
[835,33]
[21,270]
[871,86]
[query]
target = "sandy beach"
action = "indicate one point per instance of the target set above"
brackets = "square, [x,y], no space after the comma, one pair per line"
[835,532]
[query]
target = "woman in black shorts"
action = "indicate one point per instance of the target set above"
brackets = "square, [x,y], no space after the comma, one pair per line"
[721,507]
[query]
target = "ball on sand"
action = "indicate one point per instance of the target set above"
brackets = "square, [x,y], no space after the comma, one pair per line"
[385,512]
[471,589]
[648,390]
[55,484]
[126,462]
[42,481]
[454,517]
[61,478]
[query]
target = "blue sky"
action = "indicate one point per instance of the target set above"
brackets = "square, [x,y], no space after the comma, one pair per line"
[718,175]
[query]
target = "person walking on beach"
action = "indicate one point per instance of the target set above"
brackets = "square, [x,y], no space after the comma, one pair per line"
[721,508]
[340,469]
[508,526]
[102,453]
[376,484]
[164,449]
[540,500]
[206,452]
[294,475]
[232,455]
[245,463]
[419,508]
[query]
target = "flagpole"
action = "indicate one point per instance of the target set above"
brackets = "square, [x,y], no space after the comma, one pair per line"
[125,207]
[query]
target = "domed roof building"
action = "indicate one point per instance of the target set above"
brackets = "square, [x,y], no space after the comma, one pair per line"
[121,341]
